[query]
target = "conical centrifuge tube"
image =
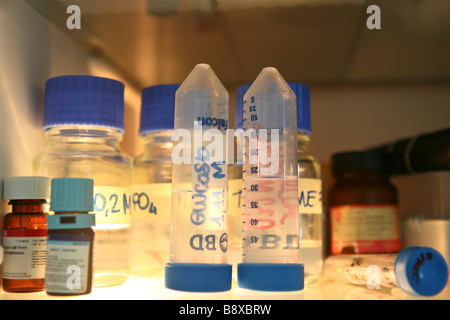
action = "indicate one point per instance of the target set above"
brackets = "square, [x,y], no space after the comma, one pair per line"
[199,238]
[270,227]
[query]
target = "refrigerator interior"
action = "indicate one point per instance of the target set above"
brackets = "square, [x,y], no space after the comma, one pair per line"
[369,87]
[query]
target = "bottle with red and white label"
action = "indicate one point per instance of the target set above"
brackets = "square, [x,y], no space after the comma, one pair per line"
[24,234]
[363,205]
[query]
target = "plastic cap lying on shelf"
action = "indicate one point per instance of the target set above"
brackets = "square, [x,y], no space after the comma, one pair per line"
[421,271]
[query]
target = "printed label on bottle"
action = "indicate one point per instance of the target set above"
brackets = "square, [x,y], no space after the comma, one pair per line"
[112,205]
[310,196]
[67,264]
[24,254]
[364,229]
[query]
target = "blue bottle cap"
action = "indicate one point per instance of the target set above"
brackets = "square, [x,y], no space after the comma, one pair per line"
[84,100]
[271,276]
[157,108]
[303,107]
[198,277]
[421,271]
[70,221]
[72,195]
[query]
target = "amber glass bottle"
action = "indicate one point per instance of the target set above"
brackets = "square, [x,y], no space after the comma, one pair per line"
[24,234]
[363,205]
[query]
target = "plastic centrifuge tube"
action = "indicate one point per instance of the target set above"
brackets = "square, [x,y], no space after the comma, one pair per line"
[270,225]
[199,238]
[418,271]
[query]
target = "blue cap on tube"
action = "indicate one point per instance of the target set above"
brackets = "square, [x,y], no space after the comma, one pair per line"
[84,100]
[157,108]
[421,271]
[271,277]
[198,277]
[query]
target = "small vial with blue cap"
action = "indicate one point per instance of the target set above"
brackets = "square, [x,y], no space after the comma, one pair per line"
[70,238]
[199,225]
[270,228]
[152,182]
[418,271]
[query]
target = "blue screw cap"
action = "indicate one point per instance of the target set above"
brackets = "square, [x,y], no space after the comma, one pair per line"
[84,100]
[271,276]
[198,277]
[72,195]
[157,108]
[421,271]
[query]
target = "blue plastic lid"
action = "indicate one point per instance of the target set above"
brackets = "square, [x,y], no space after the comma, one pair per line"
[271,276]
[84,100]
[303,105]
[72,195]
[421,271]
[70,221]
[198,277]
[158,108]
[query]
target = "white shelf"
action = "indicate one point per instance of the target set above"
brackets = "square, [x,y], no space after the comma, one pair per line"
[152,288]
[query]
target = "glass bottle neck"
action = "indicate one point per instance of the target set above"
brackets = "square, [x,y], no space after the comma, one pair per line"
[84,134]
[158,143]
[303,140]
[27,206]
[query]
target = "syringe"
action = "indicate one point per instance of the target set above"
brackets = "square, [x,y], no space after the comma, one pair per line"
[270,227]
[199,239]
[418,271]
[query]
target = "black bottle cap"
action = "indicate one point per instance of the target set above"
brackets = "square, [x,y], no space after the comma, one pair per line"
[359,160]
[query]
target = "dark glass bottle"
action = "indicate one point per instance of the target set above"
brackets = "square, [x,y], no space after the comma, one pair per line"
[71,232]
[70,237]
[363,205]
[24,234]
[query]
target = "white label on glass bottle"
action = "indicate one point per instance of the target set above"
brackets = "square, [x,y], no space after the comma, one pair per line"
[112,205]
[152,200]
[309,196]
[67,265]
[24,254]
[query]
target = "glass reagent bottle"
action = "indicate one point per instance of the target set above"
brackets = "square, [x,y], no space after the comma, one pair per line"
[83,125]
[152,182]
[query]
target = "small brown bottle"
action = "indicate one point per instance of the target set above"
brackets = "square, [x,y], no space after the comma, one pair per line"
[24,234]
[363,205]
